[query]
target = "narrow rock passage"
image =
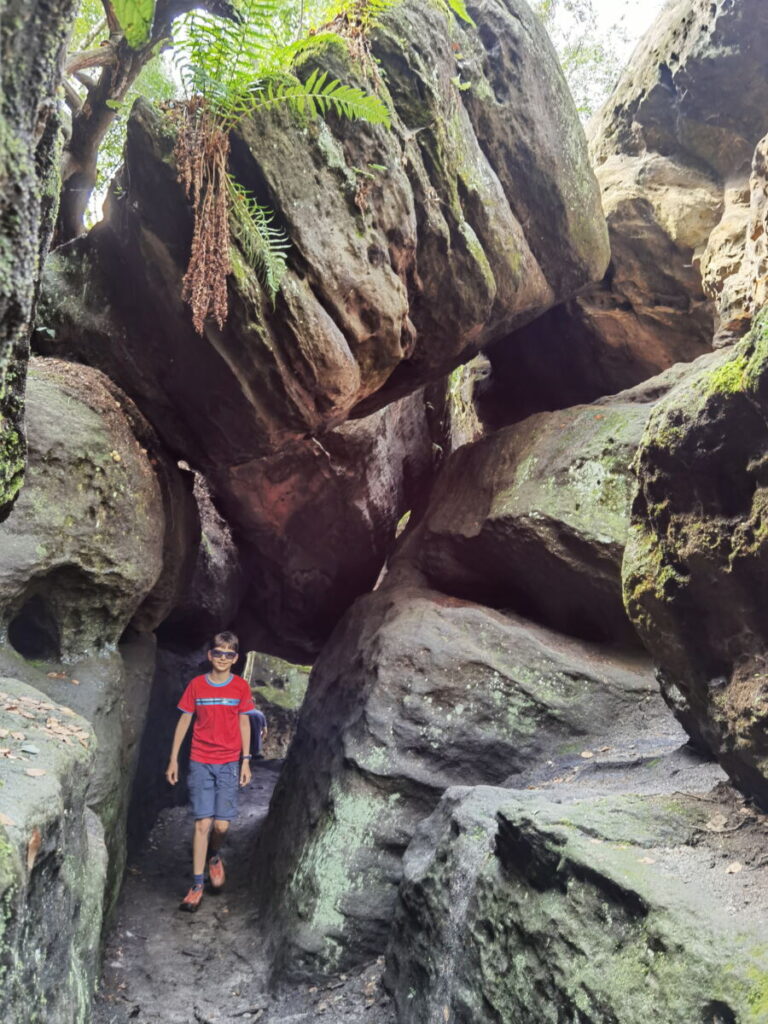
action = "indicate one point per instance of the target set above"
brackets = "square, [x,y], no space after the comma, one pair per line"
[162,966]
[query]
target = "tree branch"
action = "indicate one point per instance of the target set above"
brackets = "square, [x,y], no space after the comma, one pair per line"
[101,57]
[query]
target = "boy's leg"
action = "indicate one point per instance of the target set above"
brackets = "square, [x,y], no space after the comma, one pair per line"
[200,842]
[218,835]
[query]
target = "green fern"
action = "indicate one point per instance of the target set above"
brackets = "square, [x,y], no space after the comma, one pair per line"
[264,245]
[316,96]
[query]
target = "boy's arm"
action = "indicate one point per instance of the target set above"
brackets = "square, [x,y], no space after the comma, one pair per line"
[245,740]
[182,728]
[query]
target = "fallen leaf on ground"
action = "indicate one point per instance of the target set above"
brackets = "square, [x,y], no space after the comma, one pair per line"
[18,736]
[3,733]
[35,772]
[75,682]
[586,753]
[5,820]
[717,823]
[57,675]
[645,860]
[734,868]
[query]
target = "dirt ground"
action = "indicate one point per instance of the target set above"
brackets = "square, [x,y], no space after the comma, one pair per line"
[163,966]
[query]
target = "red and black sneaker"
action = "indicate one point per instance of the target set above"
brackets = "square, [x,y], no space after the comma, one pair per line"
[216,873]
[192,900]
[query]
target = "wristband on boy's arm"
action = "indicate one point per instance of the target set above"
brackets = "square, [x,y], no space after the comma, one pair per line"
[246,757]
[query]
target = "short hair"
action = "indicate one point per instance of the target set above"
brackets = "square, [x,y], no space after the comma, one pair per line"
[226,638]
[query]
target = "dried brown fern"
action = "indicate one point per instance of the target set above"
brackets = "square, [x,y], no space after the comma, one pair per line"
[201,154]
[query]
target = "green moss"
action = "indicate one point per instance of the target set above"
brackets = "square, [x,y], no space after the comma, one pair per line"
[728,378]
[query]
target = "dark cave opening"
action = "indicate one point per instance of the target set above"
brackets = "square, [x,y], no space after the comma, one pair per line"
[34,632]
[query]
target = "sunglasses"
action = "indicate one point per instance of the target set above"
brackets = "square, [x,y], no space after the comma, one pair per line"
[229,655]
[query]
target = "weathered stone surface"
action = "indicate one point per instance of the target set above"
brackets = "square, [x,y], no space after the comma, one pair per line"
[515,907]
[84,546]
[534,517]
[52,863]
[695,579]
[208,601]
[395,275]
[278,690]
[316,522]
[32,35]
[734,264]
[672,151]
[110,691]
[414,692]
[452,409]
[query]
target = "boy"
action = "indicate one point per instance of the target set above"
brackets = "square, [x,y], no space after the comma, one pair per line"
[220,702]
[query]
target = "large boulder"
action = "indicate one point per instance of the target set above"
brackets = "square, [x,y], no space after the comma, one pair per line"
[395,274]
[32,39]
[672,150]
[316,521]
[52,861]
[110,691]
[519,907]
[90,539]
[415,692]
[534,517]
[695,578]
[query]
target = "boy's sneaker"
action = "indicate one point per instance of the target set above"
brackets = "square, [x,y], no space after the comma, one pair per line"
[216,875]
[192,900]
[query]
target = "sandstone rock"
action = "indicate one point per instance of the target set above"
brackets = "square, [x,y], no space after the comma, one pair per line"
[52,862]
[31,45]
[672,150]
[208,602]
[395,274]
[110,691]
[515,907]
[316,521]
[452,408]
[414,692]
[278,689]
[534,517]
[84,545]
[695,582]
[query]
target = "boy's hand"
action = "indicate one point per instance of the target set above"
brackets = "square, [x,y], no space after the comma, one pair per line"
[245,772]
[172,772]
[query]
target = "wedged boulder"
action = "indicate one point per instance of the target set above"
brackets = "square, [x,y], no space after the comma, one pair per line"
[695,578]
[31,48]
[110,691]
[208,601]
[515,907]
[395,274]
[316,521]
[672,150]
[534,518]
[452,406]
[88,541]
[278,688]
[52,861]
[414,692]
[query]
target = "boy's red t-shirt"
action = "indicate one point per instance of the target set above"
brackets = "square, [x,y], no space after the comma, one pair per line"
[217,708]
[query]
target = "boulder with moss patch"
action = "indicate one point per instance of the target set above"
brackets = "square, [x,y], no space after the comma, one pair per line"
[52,861]
[415,692]
[534,517]
[517,907]
[695,578]
[32,39]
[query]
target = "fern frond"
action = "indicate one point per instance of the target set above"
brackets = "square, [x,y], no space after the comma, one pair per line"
[316,96]
[264,246]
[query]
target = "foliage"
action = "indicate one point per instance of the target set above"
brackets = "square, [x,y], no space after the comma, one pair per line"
[135,18]
[591,62]
[231,71]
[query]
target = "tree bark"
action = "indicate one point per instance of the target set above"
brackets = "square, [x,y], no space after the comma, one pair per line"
[120,67]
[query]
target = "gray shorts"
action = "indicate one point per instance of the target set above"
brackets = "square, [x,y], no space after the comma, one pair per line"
[213,789]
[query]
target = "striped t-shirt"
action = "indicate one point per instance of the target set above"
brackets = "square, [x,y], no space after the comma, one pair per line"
[217,708]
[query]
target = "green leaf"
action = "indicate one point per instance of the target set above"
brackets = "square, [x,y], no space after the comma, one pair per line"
[135,17]
[263,245]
